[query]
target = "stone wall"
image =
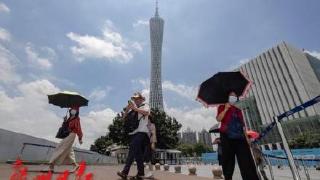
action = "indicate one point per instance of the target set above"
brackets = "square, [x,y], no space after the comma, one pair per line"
[37,149]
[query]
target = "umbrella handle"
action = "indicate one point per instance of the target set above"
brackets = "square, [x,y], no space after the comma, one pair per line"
[67,113]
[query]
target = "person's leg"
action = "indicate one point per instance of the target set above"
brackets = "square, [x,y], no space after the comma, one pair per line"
[147,153]
[245,161]
[130,157]
[227,157]
[142,139]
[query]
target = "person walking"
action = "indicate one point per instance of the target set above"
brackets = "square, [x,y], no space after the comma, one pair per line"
[151,147]
[233,141]
[139,138]
[63,153]
[217,141]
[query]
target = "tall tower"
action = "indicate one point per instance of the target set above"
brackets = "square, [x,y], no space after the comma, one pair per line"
[156,36]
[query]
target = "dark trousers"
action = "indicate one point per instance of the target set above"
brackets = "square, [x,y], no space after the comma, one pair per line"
[136,151]
[240,149]
[148,154]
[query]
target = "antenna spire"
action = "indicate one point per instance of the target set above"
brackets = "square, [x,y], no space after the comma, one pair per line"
[157,13]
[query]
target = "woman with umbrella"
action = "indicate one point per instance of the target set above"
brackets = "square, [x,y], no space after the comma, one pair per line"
[71,128]
[233,141]
[224,89]
[63,153]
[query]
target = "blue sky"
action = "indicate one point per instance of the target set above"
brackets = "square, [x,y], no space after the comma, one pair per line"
[101,49]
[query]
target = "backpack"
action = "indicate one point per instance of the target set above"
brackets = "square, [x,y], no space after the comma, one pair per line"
[131,121]
[235,127]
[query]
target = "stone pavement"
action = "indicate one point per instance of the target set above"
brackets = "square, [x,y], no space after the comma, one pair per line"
[109,173]
[99,173]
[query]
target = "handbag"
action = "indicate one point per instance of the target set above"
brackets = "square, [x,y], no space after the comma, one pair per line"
[235,127]
[64,130]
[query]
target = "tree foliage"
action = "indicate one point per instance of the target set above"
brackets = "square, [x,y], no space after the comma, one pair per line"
[194,149]
[305,140]
[166,128]
[101,144]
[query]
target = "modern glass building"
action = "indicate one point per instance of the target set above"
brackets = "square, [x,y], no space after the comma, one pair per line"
[156,37]
[283,77]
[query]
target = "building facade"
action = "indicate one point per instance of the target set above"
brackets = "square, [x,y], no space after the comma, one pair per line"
[189,136]
[205,137]
[156,37]
[283,77]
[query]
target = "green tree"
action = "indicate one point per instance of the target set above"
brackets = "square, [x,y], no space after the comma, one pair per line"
[116,131]
[101,144]
[186,149]
[167,129]
[305,140]
[200,148]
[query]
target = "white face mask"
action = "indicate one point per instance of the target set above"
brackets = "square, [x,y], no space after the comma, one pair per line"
[233,99]
[73,112]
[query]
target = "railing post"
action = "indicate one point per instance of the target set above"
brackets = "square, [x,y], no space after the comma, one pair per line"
[292,165]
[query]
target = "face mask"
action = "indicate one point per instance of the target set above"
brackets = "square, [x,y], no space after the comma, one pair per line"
[73,112]
[233,99]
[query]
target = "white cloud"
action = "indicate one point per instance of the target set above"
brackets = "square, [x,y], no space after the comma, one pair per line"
[140,23]
[239,63]
[314,53]
[7,66]
[4,8]
[36,60]
[4,35]
[99,94]
[110,47]
[95,124]
[188,92]
[30,113]
[196,118]
[185,91]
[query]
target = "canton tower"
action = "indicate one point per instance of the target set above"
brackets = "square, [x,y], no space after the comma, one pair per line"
[156,36]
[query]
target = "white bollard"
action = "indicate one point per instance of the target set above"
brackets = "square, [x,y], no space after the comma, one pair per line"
[157,166]
[150,167]
[166,167]
[192,170]
[177,169]
[217,172]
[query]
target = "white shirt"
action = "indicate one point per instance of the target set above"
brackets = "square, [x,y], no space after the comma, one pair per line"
[143,123]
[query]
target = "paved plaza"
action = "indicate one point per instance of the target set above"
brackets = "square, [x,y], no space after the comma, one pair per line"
[109,173]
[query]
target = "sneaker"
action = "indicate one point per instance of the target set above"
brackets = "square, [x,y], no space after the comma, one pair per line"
[137,177]
[122,175]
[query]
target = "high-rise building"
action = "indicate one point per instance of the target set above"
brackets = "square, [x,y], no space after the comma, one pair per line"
[283,78]
[189,136]
[205,137]
[156,37]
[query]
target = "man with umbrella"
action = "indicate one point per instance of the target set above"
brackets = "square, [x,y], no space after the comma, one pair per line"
[63,153]
[224,89]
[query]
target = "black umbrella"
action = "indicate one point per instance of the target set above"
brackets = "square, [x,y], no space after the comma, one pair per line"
[216,90]
[67,99]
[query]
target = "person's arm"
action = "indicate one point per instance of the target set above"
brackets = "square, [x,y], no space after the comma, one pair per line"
[126,111]
[141,111]
[222,113]
[78,130]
